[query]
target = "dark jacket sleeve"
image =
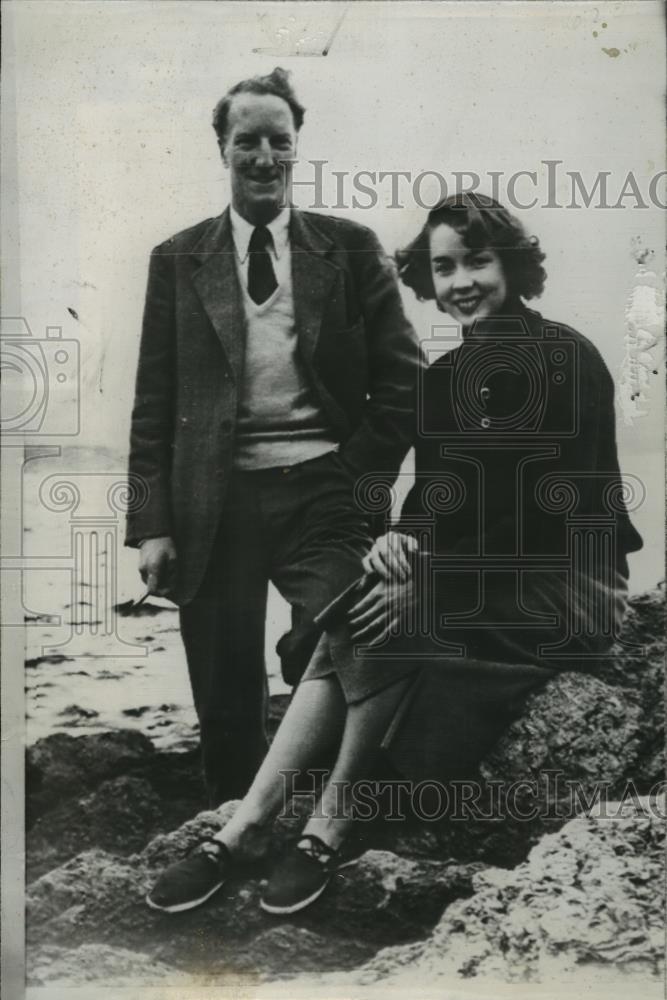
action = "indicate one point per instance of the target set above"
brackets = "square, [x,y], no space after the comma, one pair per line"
[382,438]
[149,513]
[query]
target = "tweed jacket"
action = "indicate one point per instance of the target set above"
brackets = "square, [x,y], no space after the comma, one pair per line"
[359,351]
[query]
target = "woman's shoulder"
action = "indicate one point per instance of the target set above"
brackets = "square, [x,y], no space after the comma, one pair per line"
[551,332]
[556,330]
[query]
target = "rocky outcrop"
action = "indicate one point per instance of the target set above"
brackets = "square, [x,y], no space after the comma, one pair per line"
[116,792]
[588,903]
[576,725]
[637,672]
[108,812]
[101,897]
[63,766]
[111,790]
[98,963]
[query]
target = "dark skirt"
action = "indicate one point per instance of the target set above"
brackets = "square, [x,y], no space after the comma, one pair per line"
[455,706]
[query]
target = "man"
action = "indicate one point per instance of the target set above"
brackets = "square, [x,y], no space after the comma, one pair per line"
[276,367]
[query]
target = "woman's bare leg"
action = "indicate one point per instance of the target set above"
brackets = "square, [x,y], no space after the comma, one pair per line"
[312,725]
[365,725]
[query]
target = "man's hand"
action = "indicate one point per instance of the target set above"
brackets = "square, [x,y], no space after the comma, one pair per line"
[381,610]
[157,565]
[389,557]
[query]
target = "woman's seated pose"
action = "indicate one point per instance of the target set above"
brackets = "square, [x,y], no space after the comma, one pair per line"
[509,562]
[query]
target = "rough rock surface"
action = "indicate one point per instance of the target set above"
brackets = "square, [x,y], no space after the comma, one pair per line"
[158,792]
[101,808]
[56,966]
[639,671]
[110,790]
[62,766]
[588,899]
[101,897]
[586,906]
[577,724]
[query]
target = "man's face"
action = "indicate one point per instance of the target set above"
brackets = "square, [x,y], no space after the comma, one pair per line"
[260,133]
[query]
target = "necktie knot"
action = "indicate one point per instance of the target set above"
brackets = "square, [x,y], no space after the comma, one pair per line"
[261,239]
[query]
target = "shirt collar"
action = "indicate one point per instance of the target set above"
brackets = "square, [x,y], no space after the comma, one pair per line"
[242,230]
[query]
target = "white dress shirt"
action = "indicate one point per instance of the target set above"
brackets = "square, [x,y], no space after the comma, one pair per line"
[279,251]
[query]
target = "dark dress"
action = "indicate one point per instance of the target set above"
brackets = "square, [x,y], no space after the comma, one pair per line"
[521,519]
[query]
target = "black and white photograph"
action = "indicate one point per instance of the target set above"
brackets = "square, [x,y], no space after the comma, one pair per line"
[333,499]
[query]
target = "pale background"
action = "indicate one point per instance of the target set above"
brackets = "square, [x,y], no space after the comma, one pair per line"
[108,149]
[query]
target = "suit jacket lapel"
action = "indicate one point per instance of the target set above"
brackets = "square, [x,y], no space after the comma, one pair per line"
[218,287]
[313,278]
[216,280]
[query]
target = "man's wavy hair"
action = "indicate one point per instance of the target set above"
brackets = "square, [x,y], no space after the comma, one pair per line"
[277,83]
[482,223]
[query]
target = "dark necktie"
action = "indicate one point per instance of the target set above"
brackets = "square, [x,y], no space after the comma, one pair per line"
[261,279]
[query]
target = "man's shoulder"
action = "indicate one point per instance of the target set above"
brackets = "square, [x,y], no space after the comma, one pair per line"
[342,232]
[337,228]
[185,239]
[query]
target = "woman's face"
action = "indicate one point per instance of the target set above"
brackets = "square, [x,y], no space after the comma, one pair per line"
[469,284]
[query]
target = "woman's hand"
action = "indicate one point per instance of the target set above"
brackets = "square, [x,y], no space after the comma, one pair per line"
[389,557]
[381,610]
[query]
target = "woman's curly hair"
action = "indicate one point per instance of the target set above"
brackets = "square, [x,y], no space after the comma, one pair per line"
[482,223]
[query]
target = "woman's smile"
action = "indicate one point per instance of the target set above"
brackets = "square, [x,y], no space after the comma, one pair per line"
[468,304]
[469,282]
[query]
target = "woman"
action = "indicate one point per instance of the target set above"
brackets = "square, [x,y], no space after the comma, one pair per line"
[518,501]
[508,564]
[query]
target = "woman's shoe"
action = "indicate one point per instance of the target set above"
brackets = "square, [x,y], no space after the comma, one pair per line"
[302,876]
[194,879]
